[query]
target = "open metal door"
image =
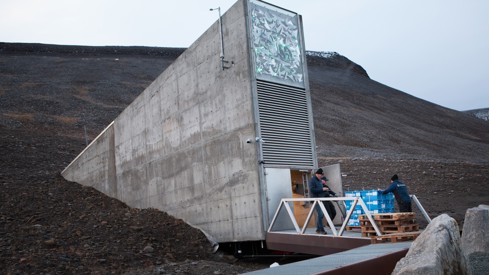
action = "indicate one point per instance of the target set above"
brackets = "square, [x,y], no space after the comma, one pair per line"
[333,173]
[278,186]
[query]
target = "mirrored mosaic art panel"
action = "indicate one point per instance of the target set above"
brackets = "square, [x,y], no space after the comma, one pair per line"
[275,39]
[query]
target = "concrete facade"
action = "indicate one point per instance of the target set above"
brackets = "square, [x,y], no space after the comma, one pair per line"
[183,145]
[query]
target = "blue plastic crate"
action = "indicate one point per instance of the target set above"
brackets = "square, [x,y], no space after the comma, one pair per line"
[354,220]
[352,193]
[386,204]
[373,199]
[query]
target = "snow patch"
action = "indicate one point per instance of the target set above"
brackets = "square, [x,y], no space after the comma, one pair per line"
[322,54]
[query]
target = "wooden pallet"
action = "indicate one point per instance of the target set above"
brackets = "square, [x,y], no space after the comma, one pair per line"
[389,222]
[394,238]
[390,229]
[390,216]
[353,228]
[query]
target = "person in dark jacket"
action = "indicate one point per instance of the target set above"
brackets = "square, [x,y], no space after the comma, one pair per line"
[316,190]
[328,204]
[401,194]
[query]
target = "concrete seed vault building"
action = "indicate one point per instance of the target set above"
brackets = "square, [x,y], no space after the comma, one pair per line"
[221,135]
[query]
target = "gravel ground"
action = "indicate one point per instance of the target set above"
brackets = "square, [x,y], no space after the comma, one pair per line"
[55,99]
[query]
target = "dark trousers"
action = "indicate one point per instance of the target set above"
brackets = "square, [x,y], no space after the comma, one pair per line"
[405,207]
[319,220]
[330,209]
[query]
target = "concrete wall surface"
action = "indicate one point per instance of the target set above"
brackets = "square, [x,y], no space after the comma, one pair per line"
[96,164]
[181,145]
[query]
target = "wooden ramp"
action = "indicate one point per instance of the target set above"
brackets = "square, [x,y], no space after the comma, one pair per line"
[373,247]
[288,233]
[313,243]
[370,259]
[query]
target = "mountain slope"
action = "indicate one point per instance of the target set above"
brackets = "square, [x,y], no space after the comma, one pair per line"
[54,99]
[356,116]
[480,113]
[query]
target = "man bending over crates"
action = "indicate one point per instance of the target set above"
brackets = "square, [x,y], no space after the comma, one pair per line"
[401,194]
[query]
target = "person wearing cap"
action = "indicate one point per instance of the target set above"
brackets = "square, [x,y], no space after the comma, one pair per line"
[401,194]
[316,190]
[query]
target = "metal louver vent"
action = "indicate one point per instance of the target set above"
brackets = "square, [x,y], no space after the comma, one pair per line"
[284,125]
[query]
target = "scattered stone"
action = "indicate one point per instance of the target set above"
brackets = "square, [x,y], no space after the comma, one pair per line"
[475,239]
[50,242]
[436,250]
[148,249]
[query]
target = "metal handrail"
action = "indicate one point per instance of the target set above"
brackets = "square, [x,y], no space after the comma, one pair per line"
[356,200]
[421,208]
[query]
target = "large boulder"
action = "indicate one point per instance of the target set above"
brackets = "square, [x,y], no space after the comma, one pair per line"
[436,250]
[475,239]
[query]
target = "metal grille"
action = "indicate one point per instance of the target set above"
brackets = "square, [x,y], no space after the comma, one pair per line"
[284,125]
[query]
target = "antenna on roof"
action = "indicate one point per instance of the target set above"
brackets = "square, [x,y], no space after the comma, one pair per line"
[221,56]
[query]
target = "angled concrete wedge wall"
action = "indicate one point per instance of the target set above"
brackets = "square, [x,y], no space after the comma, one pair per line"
[181,145]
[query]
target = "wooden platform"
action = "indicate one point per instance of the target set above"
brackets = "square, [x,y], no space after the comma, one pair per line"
[394,227]
[390,216]
[353,228]
[390,228]
[396,237]
[390,222]
[314,244]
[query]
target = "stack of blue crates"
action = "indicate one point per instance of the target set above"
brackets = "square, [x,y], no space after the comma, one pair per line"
[375,201]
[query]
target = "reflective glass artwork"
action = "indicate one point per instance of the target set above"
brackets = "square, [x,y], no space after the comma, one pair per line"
[276,42]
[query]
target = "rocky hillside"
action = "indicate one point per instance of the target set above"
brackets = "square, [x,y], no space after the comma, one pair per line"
[354,115]
[480,113]
[357,116]
[54,99]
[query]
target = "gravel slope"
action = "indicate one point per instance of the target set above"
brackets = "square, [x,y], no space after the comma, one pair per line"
[53,99]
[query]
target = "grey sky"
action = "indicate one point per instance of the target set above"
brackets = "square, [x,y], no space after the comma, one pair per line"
[437,50]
